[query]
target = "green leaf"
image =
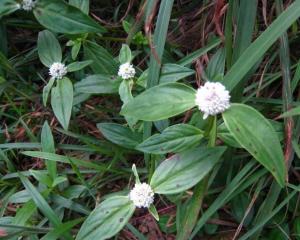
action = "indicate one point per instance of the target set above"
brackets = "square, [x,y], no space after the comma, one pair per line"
[198,53]
[161,102]
[41,203]
[99,83]
[125,54]
[103,61]
[41,177]
[46,90]
[293,112]
[49,49]
[47,143]
[126,96]
[75,66]
[61,17]
[170,72]
[176,138]
[62,101]
[182,171]
[258,48]
[153,212]
[8,7]
[120,134]
[107,219]
[255,133]
[58,231]
[83,5]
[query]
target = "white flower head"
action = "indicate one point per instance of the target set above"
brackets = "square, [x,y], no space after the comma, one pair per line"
[28,5]
[142,195]
[212,98]
[126,71]
[57,70]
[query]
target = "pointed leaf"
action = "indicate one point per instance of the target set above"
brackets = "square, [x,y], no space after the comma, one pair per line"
[103,61]
[47,143]
[176,138]
[161,102]
[255,133]
[182,171]
[61,17]
[99,83]
[75,66]
[8,6]
[107,219]
[125,54]
[120,134]
[62,101]
[49,49]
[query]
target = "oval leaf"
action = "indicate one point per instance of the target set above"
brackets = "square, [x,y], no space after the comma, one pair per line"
[176,138]
[61,17]
[49,49]
[120,135]
[107,219]
[255,133]
[76,66]
[125,54]
[182,171]
[99,83]
[103,61]
[62,101]
[7,7]
[161,102]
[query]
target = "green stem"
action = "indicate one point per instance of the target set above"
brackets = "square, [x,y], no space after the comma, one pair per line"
[191,215]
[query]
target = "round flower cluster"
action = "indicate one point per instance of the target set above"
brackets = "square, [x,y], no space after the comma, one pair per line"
[142,195]
[126,71]
[212,98]
[57,70]
[28,5]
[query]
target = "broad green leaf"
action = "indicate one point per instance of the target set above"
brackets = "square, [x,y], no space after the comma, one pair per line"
[61,17]
[170,72]
[8,7]
[75,66]
[120,134]
[62,101]
[83,5]
[107,219]
[182,171]
[255,133]
[161,102]
[258,48]
[47,143]
[46,90]
[103,61]
[49,49]
[125,54]
[99,83]
[126,96]
[176,138]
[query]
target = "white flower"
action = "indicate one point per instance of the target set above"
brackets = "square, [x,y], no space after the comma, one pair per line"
[142,195]
[57,70]
[126,71]
[212,98]
[28,5]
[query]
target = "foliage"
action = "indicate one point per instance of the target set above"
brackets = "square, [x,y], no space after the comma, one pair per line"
[100,96]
